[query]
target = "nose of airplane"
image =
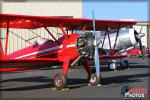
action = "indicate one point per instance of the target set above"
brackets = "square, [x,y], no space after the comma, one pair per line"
[141,35]
[85,44]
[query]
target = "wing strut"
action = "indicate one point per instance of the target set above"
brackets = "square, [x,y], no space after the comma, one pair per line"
[103,42]
[7,36]
[116,39]
[63,31]
[109,42]
[50,34]
[84,27]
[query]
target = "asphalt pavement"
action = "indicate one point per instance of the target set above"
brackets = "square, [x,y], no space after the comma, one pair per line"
[38,84]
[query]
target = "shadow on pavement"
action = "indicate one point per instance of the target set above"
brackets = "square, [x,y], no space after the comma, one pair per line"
[124,78]
[72,83]
[46,83]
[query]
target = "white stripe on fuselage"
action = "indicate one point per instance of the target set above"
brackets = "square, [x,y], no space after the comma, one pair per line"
[34,53]
[71,45]
[49,49]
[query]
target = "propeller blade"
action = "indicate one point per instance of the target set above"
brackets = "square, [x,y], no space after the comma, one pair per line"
[96,53]
[141,48]
[94,25]
[141,29]
[97,64]
[140,42]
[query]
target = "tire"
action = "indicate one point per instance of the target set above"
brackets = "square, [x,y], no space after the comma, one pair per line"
[110,65]
[94,81]
[60,81]
[121,66]
[126,64]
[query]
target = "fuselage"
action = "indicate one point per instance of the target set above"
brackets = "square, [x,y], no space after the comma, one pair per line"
[47,54]
[64,46]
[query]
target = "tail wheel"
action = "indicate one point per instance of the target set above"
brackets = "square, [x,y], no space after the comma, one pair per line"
[94,80]
[60,81]
[112,66]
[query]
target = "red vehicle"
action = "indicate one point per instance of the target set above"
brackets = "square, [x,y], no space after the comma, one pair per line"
[134,52]
[66,50]
[137,52]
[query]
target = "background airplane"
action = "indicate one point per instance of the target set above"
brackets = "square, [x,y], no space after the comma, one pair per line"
[117,43]
[66,50]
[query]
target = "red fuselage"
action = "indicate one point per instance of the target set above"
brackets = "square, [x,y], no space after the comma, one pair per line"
[55,52]
[58,49]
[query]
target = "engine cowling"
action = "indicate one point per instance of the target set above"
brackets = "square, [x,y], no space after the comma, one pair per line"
[127,39]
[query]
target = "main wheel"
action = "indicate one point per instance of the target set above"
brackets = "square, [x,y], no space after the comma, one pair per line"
[94,81]
[112,66]
[124,64]
[60,81]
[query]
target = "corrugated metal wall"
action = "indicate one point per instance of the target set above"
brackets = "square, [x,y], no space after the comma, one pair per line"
[43,7]
[18,37]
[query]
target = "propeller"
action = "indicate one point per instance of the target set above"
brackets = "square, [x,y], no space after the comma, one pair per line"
[96,53]
[139,35]
[141,48]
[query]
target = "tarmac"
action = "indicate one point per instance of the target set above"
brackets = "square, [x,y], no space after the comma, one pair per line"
[38,84]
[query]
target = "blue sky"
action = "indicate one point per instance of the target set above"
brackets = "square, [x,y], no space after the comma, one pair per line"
[114,9]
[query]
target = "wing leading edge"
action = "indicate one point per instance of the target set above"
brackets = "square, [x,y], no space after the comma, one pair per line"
[33,22]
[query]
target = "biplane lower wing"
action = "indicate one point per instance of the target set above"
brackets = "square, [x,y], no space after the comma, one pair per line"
[29,60]
[113,56]
[8,65]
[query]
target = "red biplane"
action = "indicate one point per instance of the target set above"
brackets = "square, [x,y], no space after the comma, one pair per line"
[67,50]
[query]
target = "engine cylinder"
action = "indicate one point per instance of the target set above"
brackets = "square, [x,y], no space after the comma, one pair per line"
[85,45]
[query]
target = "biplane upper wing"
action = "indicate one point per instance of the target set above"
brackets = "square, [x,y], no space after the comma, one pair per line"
[33,22]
